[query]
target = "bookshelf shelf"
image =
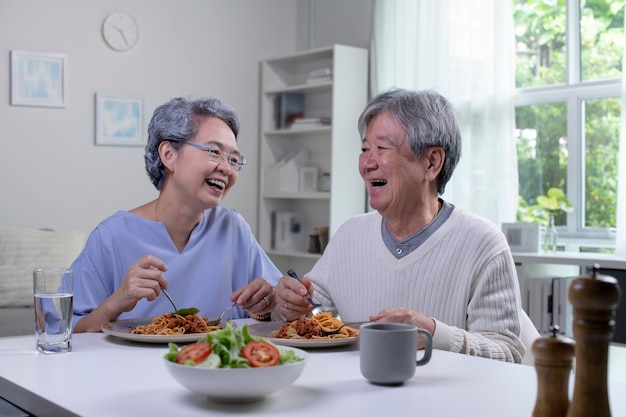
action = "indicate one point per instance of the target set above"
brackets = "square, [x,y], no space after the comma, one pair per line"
[299,132]
[288,92]
[302,88]
[313,195]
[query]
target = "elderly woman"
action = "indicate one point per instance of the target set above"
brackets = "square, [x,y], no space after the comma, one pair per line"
[207,252]
[416,259]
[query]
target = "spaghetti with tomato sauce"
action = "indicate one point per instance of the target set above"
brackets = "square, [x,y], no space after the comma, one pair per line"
[316,327]
[176,324]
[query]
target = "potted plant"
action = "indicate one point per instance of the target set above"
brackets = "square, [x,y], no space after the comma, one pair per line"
[548,206]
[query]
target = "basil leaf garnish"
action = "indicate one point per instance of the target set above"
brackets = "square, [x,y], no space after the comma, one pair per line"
[187,311]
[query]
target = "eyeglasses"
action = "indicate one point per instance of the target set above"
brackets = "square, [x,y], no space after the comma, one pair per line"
[236,161]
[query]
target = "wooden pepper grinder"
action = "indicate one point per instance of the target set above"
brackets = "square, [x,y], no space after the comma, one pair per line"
[594,300]
[553,362]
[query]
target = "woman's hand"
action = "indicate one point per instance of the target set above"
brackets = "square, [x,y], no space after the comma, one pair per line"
[144,279]
[257,298]
[291,299]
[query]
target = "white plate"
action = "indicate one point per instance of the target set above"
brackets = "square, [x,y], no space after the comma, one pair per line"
[265,330]
[123,328]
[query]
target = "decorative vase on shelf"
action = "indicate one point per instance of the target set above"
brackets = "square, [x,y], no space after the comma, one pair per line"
[549,237]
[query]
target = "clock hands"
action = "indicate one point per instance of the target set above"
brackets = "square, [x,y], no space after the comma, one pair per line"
[121,33]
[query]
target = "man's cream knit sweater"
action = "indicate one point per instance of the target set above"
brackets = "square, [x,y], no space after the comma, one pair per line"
[463,276]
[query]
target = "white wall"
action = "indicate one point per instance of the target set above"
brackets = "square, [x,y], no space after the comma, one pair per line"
[52,174]
[327,22]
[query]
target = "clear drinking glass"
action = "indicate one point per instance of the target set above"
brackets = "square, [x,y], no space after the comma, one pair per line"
[53,290]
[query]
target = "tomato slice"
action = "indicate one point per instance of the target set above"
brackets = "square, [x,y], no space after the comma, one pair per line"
[260,354]
[195,352]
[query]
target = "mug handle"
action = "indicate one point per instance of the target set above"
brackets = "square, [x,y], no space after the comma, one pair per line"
[428,349]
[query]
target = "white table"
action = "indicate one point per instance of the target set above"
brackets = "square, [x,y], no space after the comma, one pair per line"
[106,376]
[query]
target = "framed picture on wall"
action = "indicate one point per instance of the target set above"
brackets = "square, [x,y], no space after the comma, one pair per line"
[119,120]
[38,79]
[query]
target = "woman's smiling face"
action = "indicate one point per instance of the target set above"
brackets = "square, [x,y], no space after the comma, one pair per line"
[388,167]
[209,181]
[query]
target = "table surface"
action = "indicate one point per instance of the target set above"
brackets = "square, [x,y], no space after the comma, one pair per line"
[105,376]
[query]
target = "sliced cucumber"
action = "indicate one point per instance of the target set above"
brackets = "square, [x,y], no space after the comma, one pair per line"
[212,361]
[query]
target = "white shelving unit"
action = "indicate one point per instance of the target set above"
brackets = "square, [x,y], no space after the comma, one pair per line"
[332,148]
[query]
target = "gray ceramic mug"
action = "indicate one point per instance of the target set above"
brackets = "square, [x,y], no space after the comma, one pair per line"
[388,352]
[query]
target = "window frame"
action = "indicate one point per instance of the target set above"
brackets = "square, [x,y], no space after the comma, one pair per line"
[573,92]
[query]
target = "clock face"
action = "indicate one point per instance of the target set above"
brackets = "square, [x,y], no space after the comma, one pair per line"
[120,31]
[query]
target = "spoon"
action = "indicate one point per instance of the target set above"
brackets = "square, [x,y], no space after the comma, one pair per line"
[316,308]
[169,298]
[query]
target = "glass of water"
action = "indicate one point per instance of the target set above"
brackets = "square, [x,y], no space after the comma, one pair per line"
[54,306]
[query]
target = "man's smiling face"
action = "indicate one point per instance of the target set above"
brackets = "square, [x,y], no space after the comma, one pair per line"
[387,165]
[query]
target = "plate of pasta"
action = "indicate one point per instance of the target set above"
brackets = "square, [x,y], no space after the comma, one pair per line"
[321,330]
[166,328]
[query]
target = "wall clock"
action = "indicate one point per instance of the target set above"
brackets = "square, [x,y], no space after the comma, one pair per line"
[120,31]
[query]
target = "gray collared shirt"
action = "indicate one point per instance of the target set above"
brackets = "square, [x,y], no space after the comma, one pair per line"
[401,249]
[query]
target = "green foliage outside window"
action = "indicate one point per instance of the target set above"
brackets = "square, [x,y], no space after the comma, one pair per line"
[554,203]
[542,138]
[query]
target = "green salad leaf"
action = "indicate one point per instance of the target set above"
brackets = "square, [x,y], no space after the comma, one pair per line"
[228,342]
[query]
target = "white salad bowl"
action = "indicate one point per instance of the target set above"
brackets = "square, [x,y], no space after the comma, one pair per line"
[238,384]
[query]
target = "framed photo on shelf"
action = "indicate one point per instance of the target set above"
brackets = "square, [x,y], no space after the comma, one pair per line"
[288,231]
[308,179]
[119,120]
[38,79]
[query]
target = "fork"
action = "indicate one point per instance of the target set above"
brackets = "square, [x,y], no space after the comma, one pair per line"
[169,298]
[355,325]
[226,310]
[315,308]
[335,331]
[219,320]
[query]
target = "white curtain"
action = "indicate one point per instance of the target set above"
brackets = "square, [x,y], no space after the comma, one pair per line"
[464,49]
[620,237]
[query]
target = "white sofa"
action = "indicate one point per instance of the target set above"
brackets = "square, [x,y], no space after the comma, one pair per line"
[21,251]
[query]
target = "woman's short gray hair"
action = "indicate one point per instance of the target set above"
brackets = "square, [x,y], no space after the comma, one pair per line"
[429,120]
[177,120]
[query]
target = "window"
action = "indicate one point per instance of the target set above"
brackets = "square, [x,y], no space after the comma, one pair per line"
[568,80]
